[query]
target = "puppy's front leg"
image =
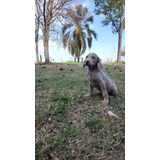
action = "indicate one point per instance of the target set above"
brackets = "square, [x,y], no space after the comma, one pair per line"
[90,91]
[104,92]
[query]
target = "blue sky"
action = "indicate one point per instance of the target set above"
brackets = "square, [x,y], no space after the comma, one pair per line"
[106,46]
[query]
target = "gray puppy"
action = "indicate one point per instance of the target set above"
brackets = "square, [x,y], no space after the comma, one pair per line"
[98,79]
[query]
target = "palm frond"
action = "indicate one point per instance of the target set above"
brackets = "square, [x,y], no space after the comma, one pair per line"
[79,10]
[94,34]
[89,40]
[85,11]
[88,30]
[83,42]
[90,19]
[66,38]
[65,27]
[71,47]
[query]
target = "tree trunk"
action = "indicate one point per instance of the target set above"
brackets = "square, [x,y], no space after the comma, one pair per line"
[40,58]
[78,60]
[36,40]
[120,39]
[119,46]
[37,55]
[46,44]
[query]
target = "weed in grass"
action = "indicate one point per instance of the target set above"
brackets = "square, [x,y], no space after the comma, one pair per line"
[52,106]
[65,99]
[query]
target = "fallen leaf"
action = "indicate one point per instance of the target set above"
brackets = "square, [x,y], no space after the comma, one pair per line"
[112,114]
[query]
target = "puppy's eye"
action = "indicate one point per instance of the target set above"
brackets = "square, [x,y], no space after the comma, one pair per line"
[86,56]
[93,57]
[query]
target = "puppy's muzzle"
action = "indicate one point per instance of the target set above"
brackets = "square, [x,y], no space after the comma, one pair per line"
[86,63]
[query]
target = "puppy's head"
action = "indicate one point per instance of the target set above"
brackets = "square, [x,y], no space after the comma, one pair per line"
[92,61]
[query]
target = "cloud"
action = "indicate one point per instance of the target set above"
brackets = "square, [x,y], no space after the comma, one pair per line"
[52,44]
[86,4]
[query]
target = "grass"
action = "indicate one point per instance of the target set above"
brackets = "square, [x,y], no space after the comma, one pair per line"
[71,127]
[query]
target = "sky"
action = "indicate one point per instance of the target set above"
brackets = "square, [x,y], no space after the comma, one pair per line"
[106,46]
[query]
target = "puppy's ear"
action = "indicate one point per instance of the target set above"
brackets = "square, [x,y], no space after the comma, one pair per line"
[99,64]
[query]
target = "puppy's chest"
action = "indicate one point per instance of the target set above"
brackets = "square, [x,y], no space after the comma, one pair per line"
[92,79]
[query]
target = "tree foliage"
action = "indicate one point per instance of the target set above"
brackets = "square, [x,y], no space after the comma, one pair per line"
[77,31]
[113,10]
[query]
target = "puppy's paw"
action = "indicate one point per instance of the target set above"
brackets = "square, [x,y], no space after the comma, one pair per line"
[88,95]
[105,102]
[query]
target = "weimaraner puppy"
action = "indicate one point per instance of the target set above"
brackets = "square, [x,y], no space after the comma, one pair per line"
[98,79]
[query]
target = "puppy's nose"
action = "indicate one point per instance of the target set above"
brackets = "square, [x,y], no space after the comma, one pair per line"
[87,62]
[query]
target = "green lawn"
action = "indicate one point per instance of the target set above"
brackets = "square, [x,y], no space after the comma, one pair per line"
[69,126]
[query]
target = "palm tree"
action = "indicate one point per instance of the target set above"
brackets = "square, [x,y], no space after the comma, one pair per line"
[76,32]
